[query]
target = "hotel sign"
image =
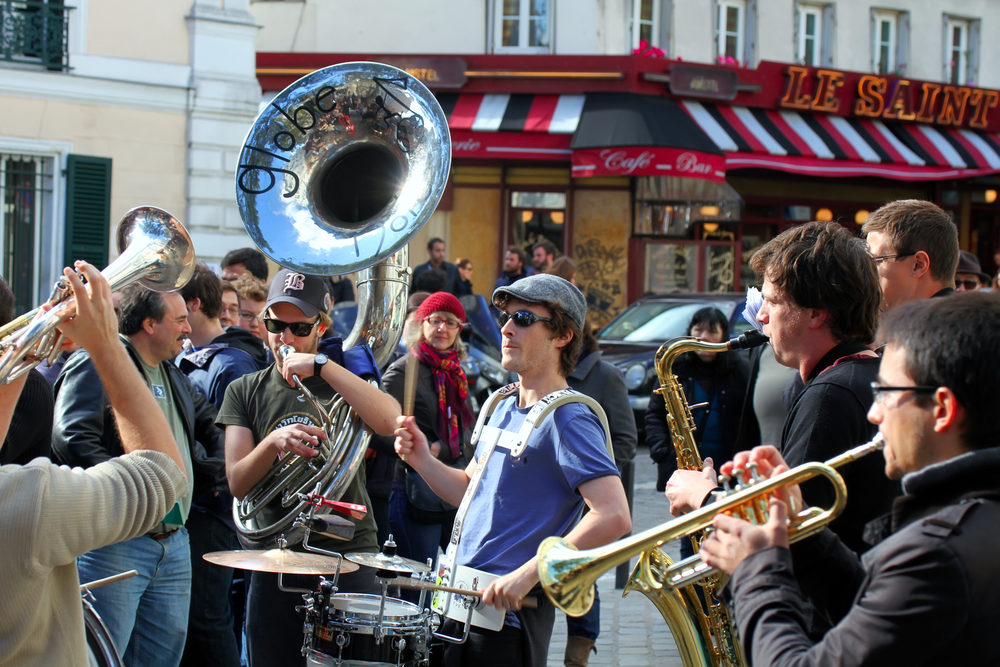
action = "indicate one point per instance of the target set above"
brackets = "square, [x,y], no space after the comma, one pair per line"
[889,98]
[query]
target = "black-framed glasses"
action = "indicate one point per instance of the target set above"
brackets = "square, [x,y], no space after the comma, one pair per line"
[297,328]
[522,318]
[879,391]
[878,259]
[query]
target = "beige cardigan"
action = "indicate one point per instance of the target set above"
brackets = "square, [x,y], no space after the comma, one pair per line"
[51,514]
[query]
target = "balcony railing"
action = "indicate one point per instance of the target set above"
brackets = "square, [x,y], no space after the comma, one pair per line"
[35,32]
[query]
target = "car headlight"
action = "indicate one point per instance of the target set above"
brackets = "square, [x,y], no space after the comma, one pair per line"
[634,376]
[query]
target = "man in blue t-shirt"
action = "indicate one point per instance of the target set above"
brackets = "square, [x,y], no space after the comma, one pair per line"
[521,497]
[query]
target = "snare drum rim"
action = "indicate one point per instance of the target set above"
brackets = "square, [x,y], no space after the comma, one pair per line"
[347,616]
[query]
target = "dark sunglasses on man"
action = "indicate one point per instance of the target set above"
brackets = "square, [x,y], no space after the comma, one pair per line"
[299,329]
[522,318]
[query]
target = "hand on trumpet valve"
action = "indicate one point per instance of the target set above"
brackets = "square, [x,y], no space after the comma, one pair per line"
[731,540]
[687,489]
[90,319]
[761,463]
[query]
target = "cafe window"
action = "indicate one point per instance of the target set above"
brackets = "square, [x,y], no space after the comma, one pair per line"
[538,216]
[522,26]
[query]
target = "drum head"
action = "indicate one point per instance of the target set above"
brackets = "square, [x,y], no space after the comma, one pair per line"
[364,607]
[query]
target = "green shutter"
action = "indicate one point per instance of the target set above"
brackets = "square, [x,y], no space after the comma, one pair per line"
[88,209]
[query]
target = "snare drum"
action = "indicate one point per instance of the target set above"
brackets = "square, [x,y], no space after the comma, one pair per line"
[345,632]
[101,651]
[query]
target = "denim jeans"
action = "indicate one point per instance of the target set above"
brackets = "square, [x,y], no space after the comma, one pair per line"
[415,540]
[147,614]
[211,639]
[588,625]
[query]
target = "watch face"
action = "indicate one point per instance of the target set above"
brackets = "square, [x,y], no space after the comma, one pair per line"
[320,359]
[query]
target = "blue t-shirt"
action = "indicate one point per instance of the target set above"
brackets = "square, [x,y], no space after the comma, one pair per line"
[522,501]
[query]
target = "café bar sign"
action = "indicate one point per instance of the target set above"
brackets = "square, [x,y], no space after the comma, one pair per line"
[887,97]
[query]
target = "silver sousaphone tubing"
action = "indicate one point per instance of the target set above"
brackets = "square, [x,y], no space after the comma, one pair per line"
[336,175]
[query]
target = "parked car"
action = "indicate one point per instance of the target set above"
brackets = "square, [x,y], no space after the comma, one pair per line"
[630,340]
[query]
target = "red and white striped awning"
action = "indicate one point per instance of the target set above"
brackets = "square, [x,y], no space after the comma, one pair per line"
[513,126]
[826,145]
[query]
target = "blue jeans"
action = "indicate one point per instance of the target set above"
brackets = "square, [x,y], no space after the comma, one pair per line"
[415,540]
[147,614]
[588,625]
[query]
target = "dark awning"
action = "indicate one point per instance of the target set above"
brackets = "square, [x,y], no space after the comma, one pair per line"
[602,134]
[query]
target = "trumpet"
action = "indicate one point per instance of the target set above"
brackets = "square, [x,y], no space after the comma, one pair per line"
[568,575]
[155,250]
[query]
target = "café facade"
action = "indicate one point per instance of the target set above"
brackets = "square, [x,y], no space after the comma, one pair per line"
[659,175]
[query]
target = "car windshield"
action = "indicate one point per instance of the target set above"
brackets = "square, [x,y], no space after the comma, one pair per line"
[657,321]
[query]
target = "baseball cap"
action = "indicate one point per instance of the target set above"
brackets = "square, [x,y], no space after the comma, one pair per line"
[306,292]
[545,287]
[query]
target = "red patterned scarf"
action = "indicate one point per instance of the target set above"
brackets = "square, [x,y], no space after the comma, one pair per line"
[452,390]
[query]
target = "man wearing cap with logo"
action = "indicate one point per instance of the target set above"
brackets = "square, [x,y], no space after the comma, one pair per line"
[264,420]
[526,483]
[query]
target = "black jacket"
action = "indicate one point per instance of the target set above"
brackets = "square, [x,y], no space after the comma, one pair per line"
[605,383]
[84,432]
[728,372]
[926,595]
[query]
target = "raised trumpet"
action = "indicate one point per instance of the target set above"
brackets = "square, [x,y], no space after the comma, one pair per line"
[568,575]
[154,248]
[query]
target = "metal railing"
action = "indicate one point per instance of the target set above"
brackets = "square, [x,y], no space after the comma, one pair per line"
[35,32]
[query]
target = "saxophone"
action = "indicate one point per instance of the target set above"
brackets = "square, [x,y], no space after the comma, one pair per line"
[704,636]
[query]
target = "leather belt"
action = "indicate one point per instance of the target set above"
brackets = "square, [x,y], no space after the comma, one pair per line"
[161,536]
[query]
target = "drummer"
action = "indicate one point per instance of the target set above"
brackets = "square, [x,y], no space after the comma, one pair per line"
[509,501]
[264,419]
[52,514]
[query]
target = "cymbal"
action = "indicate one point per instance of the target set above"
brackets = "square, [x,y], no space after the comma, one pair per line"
[392,563]
[279,560]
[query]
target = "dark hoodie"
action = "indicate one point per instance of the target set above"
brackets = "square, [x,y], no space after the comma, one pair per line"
[229,356]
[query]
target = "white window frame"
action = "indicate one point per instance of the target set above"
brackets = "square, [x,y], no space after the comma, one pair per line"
[653,23]
[50,231]
[961,66]
[720,44]
[524,25]
[804,12]
[891,19]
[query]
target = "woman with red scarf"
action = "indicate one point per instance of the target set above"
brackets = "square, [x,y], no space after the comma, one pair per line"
[419,520]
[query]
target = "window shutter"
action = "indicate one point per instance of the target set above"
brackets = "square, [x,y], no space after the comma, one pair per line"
[902,43]
[973,59]
[88,209]
[829,35]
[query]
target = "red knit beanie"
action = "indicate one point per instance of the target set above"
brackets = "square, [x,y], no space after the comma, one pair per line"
[441,302]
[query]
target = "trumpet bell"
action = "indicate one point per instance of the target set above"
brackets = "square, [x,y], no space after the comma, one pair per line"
[343,167]
[170,266]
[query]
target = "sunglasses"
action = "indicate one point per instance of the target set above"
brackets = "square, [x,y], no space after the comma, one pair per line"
[297,328]
[968,285]
[522,318]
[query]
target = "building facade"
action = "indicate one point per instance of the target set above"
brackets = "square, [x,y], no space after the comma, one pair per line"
[109,105]
[659,143]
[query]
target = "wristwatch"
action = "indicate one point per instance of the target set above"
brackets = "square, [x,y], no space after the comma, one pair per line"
[318,362]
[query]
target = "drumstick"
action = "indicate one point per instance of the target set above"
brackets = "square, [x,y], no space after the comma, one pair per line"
[410,373]
[97,583]
[403,582]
